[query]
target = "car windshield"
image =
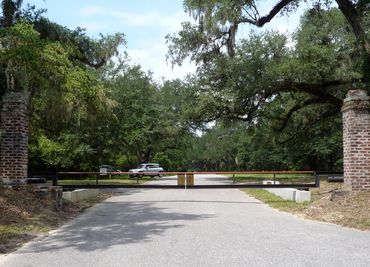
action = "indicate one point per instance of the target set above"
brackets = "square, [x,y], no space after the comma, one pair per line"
[142,166]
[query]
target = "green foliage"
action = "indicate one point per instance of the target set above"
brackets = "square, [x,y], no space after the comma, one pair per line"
[326,48]
[249,79]
[66,152]
[20,53]
[85,50]
[216,149]
[239,146]
[51,153]
[289,92]
[147,116]
[56,66]
[129,119]
[163,160]
[124,162]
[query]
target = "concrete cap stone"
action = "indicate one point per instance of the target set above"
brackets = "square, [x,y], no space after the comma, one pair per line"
[358,93]
[356,99]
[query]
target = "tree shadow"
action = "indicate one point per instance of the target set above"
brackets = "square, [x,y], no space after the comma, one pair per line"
[114,223]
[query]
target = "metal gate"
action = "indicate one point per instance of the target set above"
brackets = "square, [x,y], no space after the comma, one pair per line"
[180,180]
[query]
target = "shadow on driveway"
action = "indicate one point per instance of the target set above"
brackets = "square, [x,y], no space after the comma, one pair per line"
[113,223]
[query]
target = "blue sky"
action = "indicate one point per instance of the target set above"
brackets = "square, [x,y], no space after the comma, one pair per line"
[144,22]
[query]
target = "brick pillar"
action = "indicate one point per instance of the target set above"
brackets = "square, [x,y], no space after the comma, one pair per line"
[356,140]
[14,137]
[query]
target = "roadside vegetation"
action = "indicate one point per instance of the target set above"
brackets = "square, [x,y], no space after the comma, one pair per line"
[329,204]
[276,201]
[26,214]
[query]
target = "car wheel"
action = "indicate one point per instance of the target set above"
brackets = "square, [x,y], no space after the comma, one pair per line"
[160,174]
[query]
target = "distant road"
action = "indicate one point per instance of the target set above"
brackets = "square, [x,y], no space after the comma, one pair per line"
[177,227]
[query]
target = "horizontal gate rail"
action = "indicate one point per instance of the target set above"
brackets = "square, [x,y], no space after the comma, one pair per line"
[314,176]
[211,186]
[174,173]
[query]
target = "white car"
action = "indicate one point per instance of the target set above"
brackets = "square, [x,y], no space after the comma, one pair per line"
[152,169]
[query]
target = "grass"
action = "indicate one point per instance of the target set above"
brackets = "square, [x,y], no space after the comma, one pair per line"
[291,178]
[10,236]
[364,223]
[275,201]
[8,232]
[270,176]
[13,235]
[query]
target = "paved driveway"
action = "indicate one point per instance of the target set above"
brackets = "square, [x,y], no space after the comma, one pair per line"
[169,227]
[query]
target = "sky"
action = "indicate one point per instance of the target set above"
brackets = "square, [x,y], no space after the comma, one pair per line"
[145,24]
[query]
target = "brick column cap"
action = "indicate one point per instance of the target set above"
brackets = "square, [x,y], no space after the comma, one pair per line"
[357,99]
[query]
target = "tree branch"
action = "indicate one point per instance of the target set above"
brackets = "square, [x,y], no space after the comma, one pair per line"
[310,124]
[298,106]
[267,18]
[315,90]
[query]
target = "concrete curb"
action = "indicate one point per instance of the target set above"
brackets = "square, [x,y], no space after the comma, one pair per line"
[80,194]
[291,194]
[298,196]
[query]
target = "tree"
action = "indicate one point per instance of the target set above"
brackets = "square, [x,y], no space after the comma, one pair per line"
[71,118]
[318,70]
[219,20]
[174,103]
[57,68]
[215,150]
[147,120]
[11,12]
[290,94]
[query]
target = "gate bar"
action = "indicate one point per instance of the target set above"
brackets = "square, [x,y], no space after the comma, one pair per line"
[215,186]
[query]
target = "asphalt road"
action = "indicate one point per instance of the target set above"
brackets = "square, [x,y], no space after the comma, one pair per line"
[169,227]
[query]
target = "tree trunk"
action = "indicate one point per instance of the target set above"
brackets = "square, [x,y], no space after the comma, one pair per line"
[354,19]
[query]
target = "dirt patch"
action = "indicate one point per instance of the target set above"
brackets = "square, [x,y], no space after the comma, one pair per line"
[25,214]
[331,203]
